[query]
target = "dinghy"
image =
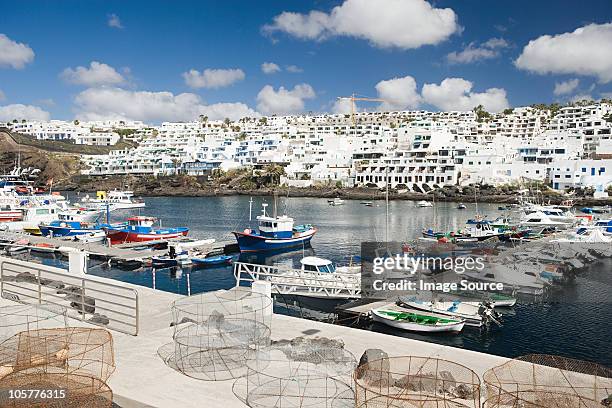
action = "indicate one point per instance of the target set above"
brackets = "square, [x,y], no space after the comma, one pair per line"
[212,260]
[417,322]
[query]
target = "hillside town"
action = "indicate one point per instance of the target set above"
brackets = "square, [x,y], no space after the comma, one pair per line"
[563,146]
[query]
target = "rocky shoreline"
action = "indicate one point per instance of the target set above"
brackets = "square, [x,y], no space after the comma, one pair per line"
[185,186]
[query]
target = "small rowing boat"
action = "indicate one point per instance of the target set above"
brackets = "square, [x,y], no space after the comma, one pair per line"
[416,321]
[212,261]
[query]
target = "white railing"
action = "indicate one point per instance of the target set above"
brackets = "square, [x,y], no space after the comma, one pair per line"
[336,285]
[90,300]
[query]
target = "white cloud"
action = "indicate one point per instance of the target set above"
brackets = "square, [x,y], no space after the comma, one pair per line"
[566,87]
[269,68]
[14,54]
[19,111]
[116,103]
[294,69]
[114,21]
[582,97]
[455,94]
[283,101]
[213,78]
[97,74]
[585,51]
[403,24]
[342,106]
[478,52]
[399,93]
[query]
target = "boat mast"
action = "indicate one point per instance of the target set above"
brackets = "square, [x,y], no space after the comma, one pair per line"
[387,203]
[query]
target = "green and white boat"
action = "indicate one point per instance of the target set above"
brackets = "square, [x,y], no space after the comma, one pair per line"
[417,321]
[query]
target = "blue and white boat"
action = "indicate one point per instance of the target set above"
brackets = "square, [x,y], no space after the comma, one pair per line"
[274,234]
[61,228]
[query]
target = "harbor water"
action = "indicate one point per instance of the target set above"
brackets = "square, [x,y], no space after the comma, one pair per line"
[576,325]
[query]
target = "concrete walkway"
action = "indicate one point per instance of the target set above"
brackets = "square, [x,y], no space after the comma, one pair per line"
[142,379]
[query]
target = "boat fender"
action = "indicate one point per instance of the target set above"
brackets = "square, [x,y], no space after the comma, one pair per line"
[247,230]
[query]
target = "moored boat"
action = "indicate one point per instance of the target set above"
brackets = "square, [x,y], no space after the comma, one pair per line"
[212,260]
[416,321]
[274,234]
[140,229]
[424,204]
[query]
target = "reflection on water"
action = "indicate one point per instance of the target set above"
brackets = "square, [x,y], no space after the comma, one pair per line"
[578,325]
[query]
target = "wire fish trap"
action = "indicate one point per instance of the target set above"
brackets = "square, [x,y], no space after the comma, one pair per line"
[537,373]
[74,350]
[51,387]
[216,333]
[410,381]
[22,318]
[539,399]
[298,373]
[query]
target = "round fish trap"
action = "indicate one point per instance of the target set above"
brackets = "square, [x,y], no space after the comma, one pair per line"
[213,307]
[53,388]
[22,318]
[74,350]
[216,333]
[539,399]
[544,373]
[415,381]
[218,350]
[300,373]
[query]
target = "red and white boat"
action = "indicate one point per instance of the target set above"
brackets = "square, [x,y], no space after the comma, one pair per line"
[8,215]
[140,229]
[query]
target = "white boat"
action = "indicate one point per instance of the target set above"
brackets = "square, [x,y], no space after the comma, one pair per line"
[415,321]
[114,200]
[538,221]
[98,236]
[556,214]
[33,216]
[336,201]
[468,311]
[516,277]
[424,204]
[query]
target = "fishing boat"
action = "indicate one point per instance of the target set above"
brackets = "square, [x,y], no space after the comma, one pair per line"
[416,321]
[366,203]
[274,233]
[474,313]
[215,260]
[43,248]
[336,201]
[461,206]
[140,229]
[424,204]
[9,213]
[116,199]
[476,230]
[91,237]
[61,228]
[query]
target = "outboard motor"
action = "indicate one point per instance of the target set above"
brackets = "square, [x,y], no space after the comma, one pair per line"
[489,314]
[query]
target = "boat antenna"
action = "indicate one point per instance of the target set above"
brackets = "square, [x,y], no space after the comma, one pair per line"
[251,209]
[275,199]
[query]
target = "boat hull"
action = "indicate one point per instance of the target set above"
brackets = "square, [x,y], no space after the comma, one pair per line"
[212,261]
[119,236]
[258,243]
[8,216]
[403,325]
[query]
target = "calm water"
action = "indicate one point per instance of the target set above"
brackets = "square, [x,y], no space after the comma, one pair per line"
[579,328]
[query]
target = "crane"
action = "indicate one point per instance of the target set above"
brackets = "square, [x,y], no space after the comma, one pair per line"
[354,98]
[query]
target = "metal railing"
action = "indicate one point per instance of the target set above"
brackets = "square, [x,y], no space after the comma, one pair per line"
[114,307]
[334,285]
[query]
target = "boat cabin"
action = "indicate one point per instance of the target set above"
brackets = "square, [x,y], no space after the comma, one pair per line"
[316,264]
[279,227]
[135,223]
[604,225]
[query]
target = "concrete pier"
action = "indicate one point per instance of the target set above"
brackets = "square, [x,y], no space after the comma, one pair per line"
[142,379]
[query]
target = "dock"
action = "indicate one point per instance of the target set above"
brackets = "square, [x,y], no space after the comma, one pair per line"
[125,252]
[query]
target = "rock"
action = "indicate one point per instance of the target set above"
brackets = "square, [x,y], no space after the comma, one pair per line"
[99,319]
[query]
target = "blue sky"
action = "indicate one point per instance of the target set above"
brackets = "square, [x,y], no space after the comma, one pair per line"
[155,42]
